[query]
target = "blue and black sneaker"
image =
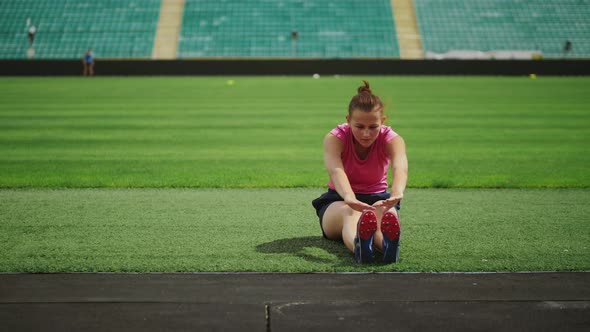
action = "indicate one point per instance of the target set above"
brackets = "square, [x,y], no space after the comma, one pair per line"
[363,242]
[391,230]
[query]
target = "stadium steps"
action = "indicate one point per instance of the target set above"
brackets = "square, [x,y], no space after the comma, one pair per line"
[168,32]
[406,27]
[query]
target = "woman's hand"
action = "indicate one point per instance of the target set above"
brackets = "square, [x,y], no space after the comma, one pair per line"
[357,205]
[390,202]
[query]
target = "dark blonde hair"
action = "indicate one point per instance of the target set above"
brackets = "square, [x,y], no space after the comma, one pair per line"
[365,100]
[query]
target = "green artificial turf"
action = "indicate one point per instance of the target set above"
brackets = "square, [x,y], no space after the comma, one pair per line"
[67,230]
[466,132]
[135,139]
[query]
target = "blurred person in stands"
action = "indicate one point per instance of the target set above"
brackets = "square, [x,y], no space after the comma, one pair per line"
[32,31]
[88,62]
[567,48]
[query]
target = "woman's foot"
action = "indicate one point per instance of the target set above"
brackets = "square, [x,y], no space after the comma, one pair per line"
[391,230]
[363,242]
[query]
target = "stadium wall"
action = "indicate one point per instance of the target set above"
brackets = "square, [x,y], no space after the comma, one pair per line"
[296,67]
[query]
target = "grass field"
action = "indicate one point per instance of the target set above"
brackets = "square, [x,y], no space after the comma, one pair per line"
[185,174]
[46,230]
[476,132]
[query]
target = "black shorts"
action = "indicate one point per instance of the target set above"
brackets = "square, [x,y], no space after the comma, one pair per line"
[321,203]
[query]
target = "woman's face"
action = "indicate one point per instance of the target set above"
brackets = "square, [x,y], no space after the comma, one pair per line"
[365,126]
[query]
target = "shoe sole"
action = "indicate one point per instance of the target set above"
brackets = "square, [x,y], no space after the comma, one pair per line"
[391,229]
[365,231]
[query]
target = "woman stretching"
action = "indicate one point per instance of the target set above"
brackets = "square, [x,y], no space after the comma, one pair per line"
[357,208]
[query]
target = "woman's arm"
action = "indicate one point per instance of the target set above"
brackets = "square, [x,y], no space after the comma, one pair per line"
[399,166]
[396,149]
[332,158]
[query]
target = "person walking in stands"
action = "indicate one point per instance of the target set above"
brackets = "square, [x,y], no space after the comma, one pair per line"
[357,155]
[88,62]
[32,31]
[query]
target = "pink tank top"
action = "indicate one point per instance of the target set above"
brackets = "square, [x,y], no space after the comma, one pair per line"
[368,176]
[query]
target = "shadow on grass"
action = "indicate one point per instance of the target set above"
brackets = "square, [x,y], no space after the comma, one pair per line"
[314,249]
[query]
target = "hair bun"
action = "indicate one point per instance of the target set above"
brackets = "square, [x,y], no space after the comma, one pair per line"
[365,100]
[364,88]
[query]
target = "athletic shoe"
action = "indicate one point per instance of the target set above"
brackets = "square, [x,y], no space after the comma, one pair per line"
[391,230]
[363,242]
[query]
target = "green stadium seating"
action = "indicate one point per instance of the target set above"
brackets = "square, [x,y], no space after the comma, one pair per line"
[491,25]
[67,28]
[262,28]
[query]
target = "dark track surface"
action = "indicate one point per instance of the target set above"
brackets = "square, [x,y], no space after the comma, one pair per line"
[290,302]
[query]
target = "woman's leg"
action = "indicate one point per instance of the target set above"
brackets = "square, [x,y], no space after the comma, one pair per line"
[339,223]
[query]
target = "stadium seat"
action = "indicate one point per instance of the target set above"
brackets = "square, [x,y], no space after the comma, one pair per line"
[491,25]
[67,28]
[262,28]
